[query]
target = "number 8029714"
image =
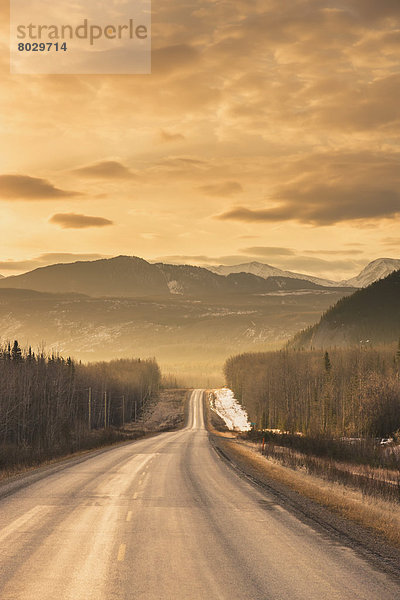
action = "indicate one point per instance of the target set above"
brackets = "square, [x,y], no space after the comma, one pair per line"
[42,47]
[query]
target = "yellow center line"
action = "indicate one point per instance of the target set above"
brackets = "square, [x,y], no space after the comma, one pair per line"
[129,516]
[121,552]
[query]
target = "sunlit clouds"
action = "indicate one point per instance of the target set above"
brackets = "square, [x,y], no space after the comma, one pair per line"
[276,122]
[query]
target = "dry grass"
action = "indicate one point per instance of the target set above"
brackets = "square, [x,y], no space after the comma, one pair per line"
[375,514]
[163,413]
[378,482]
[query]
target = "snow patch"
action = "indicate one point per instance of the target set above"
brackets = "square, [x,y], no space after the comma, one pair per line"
[175,287]
[224,403]
[263,270]
[377,269]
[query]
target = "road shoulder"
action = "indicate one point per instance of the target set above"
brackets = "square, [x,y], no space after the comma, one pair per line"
[323,512]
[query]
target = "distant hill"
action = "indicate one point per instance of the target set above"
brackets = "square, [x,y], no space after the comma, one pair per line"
[263,270]
[369,316]
[196,281]
[120,276]
[129,276]
[375,270]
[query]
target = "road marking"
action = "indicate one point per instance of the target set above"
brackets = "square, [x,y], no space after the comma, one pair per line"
[121,553]
[129,516]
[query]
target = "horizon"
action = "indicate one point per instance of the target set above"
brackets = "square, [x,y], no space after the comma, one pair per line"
[164,260]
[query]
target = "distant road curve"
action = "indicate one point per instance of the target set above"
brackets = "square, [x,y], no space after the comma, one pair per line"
[165,518]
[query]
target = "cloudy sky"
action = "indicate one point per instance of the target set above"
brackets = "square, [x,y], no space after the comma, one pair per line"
[267,131]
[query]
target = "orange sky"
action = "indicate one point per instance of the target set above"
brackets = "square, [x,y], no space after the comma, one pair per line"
[268,131]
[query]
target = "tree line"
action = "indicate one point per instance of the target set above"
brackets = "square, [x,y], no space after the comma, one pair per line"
[351,392]
[50,405]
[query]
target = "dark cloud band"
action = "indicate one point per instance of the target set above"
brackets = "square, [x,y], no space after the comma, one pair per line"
[74,221]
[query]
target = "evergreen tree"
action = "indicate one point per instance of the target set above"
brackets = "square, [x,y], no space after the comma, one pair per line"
[16,352]
[327,363]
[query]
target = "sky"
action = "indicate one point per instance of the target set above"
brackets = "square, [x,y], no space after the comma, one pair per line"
[267,131]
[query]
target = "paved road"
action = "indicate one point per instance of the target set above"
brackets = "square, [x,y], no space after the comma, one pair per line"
[165,519]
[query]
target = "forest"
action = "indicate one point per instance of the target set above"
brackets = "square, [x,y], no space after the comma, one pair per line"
[50,405]
[351,392]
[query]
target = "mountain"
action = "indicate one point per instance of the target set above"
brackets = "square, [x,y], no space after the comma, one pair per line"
[369,316]
[120,276]
[375,270]
[129,276]
[263,270]
[187,280]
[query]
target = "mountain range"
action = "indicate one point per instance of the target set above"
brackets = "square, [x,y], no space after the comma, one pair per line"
[130,276]
[189,317]
[375,270]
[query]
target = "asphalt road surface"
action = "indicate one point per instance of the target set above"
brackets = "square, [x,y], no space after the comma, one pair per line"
[163,519]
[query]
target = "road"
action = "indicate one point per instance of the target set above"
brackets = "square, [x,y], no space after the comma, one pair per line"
[165,518]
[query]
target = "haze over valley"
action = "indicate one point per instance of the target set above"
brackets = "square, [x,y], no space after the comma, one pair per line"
[190,318]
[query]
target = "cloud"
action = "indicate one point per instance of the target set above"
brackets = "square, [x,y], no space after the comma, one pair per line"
[227,188]
[322,267]
[46,259]
[202,260]
[268,251]
[24,187]
[323,204]
[182,259]
[334,252]
[66,257]
[105,169]
[298,101]
[391,241]
[166,137]
[246,215]
[74,221]
[177,57]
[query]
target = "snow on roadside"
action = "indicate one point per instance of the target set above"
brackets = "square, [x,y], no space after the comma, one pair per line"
[224,403]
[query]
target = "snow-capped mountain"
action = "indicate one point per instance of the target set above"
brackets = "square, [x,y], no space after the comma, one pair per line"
[263,270]
[375,270]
